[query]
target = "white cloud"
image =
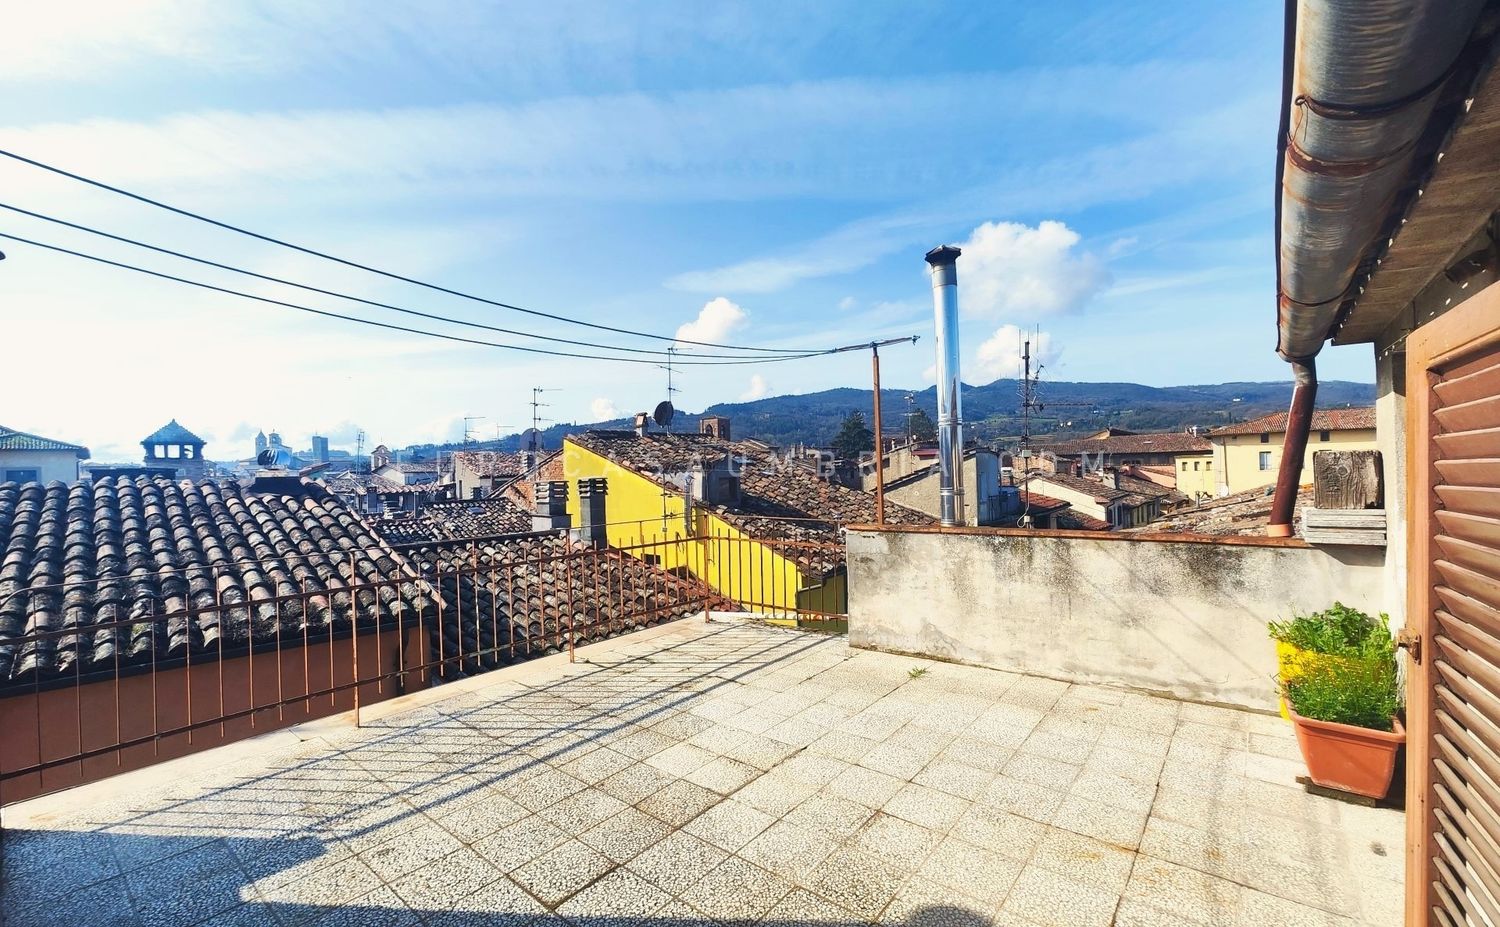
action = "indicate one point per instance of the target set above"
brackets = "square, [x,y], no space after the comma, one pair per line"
[847,303]
[930,374]
[1012,269]
[603,409]
[759,388]
[716,321]
[1000,354]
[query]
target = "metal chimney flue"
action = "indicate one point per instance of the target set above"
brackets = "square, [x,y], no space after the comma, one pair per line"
[950,429]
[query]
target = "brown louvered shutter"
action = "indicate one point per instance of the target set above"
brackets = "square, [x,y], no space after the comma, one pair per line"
[1454,698]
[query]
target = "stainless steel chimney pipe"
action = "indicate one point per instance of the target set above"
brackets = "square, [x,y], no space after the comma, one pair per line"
[950,427]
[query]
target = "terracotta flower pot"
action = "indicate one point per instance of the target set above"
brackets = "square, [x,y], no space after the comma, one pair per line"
[1353,759]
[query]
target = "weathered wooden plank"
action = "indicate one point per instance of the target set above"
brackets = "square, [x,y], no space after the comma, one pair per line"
[1343,536]
[1345,518]
[1347,480]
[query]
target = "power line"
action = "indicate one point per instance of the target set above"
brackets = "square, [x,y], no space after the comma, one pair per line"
[399,328]
[375,270]
[357,299]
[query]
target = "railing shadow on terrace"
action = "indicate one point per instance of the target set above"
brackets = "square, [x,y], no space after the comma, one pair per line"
[254,661]
[402,768]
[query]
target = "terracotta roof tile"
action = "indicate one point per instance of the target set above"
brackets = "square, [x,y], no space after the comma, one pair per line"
[1322,420]
[1171,442]
[779,500]
[12,440]
[513,598]
[172,433]
[490,464]
[154,552]
[1078,521]
[1244,513]
[455,521]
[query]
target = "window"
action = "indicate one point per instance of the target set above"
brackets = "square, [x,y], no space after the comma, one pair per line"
[1208,465]
[23,476]
[1323,435]
[1265,437]
[1195,465]
[1184,466]
[1265,460]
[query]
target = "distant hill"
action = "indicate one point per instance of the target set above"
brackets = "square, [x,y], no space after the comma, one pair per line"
[991,411]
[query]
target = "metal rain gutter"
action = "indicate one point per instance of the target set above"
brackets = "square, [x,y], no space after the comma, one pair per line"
[943,262]
[1365,78]
[1361,82]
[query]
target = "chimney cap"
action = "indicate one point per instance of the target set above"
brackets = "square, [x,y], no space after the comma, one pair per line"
[943,255]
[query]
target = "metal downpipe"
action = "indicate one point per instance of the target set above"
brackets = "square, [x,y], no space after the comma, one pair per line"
[1293,447]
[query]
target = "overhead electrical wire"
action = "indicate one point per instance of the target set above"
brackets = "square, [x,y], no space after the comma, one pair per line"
[403,328]
[655,352]
[384,273]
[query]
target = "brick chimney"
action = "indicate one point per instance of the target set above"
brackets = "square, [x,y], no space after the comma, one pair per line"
[592,518]
[551,511]
[642,421]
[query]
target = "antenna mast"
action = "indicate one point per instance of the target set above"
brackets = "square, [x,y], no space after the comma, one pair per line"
[468,429]
[359,451]
[534,437]
[671,351]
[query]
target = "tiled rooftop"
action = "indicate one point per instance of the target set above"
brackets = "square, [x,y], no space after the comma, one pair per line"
[1171,442]
[1245,512]
[779,500]
[12,440]
[1362,418]
[119,549]
[491,463]
[515,598]
[722,773]
[172,433]
[450,521]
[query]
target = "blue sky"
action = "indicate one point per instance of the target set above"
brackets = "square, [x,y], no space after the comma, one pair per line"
[769,173]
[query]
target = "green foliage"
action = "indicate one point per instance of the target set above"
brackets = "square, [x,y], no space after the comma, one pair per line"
[922,427]
[1340,631]
[1364,692]
[917,672]
[854,437]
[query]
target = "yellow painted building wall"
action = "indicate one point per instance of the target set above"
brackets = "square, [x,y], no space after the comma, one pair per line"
[645,524]
[1195,475]
[1238,464]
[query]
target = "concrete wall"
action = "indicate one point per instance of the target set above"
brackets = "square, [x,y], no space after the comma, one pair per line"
[50,465]
[921,492]
[1390,426]
[1185,616]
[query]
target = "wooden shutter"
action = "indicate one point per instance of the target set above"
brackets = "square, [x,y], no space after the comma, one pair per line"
[1454,606]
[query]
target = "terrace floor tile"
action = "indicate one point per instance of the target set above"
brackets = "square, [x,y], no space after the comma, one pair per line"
[728,773]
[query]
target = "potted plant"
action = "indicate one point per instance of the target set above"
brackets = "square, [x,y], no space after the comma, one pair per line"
[1346,715]
[1328,637]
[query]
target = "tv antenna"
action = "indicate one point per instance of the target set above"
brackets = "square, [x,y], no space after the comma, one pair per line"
[468,428]
[359,451]
[671,389]
[1031,403]
[533,437]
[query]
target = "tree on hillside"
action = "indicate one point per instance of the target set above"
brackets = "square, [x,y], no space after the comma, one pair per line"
[854,437]
[921,426]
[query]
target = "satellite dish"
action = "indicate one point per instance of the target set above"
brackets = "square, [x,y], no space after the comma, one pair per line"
[531,439]
[663,414]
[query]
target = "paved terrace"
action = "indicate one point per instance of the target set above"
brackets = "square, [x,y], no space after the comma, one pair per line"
[723,772]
